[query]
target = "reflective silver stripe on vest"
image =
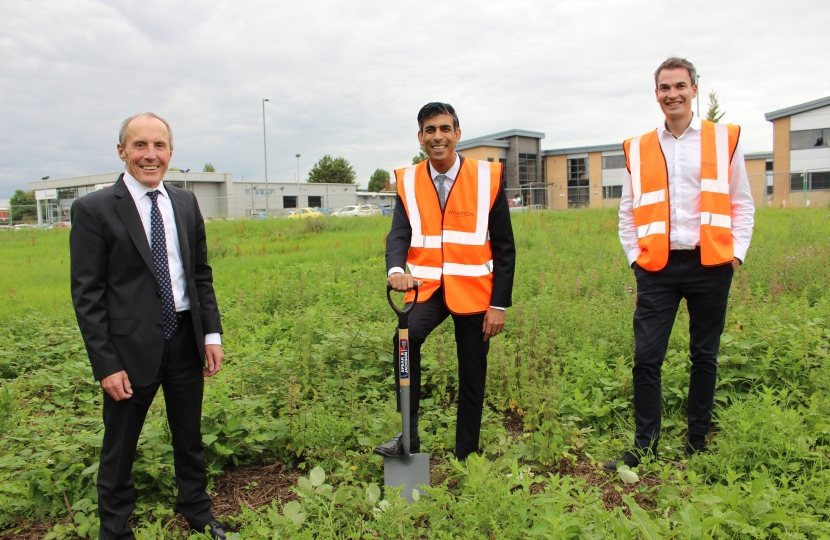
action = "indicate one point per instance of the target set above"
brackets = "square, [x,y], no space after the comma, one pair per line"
[634,160]
[424,272]
[656,227]
[716,220]
[480,236]
[721,183]
[652,197]
[468,270]
[418,240]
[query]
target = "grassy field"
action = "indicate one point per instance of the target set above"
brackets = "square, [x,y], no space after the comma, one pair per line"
[306,393]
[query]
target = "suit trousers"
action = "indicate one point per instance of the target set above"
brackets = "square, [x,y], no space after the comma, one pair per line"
[706,290]
[472,367]
[180,375]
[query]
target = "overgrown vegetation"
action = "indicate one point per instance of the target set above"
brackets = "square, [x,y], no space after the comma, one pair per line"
[308,382]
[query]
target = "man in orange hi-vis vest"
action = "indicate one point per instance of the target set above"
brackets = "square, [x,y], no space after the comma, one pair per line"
[686,218]
[451,228]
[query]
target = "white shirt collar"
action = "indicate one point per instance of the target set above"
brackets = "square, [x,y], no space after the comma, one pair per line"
[138,190]
[695,125]
[452,173]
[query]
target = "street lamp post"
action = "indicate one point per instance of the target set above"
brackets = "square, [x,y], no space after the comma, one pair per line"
[265,151]
[298,168]
[697,83]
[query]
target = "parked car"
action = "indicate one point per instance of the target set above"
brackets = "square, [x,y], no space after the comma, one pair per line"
[305,213]
[24,226]
[346,211]
[370,210]
[61,225]
[386,209]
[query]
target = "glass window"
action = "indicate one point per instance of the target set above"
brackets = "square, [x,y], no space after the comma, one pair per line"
[315,201]
[770,190]
[289,201]
[504,176]
[613,162]
[809,138]
[612,192]
[820,180]
[769,166]
[796,181]
[527,168]
[816,181]
[578,172]
[67,193]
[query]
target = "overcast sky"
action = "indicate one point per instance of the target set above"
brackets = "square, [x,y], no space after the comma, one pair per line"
[347,78]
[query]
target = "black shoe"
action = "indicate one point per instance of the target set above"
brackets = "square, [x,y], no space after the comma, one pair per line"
[215,529]
[630,458]
[695,445]
[394,448]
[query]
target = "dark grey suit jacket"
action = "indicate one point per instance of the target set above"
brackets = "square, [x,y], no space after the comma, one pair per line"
[115,290]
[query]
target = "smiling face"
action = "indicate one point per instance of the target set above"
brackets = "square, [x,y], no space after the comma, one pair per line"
[438,137]
[147,150]
[675,93]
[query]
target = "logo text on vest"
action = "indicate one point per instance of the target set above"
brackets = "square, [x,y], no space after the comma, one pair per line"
[461,213]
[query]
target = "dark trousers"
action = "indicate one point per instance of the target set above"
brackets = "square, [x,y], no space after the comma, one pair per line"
[472,367]
[180,374]
[706,290]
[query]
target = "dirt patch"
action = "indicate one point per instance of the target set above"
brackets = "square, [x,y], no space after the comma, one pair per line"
[27,530]
[514,424]
[253,487]
[611,486]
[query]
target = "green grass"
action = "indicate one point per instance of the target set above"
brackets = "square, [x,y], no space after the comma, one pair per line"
[308,382]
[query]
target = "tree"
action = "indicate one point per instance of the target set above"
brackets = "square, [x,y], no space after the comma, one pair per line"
[714,114]
[378,180]
[332,171]
[209,168]
[420,157]
[22,205]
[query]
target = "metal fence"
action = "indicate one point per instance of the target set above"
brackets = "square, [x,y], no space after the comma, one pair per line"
[531,198]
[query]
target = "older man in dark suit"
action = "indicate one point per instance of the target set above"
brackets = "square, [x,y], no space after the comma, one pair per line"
[143,295]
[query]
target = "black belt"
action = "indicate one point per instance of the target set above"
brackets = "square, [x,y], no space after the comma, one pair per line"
[182,316]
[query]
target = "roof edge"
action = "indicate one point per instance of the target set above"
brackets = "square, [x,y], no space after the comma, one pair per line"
[795,109]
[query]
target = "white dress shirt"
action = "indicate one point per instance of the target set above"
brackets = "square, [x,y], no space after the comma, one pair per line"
[683,163]
[448,183]
[174,253]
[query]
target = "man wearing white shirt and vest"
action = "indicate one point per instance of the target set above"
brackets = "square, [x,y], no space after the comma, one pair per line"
[686,219]
[143,296]
[451,228]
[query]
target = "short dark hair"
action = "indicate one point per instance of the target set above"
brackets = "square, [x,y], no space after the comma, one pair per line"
[434,109]
[674,62]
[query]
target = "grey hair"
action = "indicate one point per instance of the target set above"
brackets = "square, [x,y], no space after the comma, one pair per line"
[674,62]
[122,133]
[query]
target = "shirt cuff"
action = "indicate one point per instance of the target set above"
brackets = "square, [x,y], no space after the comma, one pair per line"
[632,256]
[395,270]
[739,252]
[213,339]
[498,308]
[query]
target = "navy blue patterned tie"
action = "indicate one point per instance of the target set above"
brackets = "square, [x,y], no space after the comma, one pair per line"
[159,245]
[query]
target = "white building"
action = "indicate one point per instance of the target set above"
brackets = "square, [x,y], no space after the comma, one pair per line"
[217,193]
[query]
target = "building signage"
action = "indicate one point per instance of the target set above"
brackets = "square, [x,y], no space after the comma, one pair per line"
[46,194]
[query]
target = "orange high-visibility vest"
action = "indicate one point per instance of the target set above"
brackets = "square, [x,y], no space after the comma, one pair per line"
[452,246]
[650,195]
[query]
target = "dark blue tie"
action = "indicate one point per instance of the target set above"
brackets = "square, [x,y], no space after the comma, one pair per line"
[159,244]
